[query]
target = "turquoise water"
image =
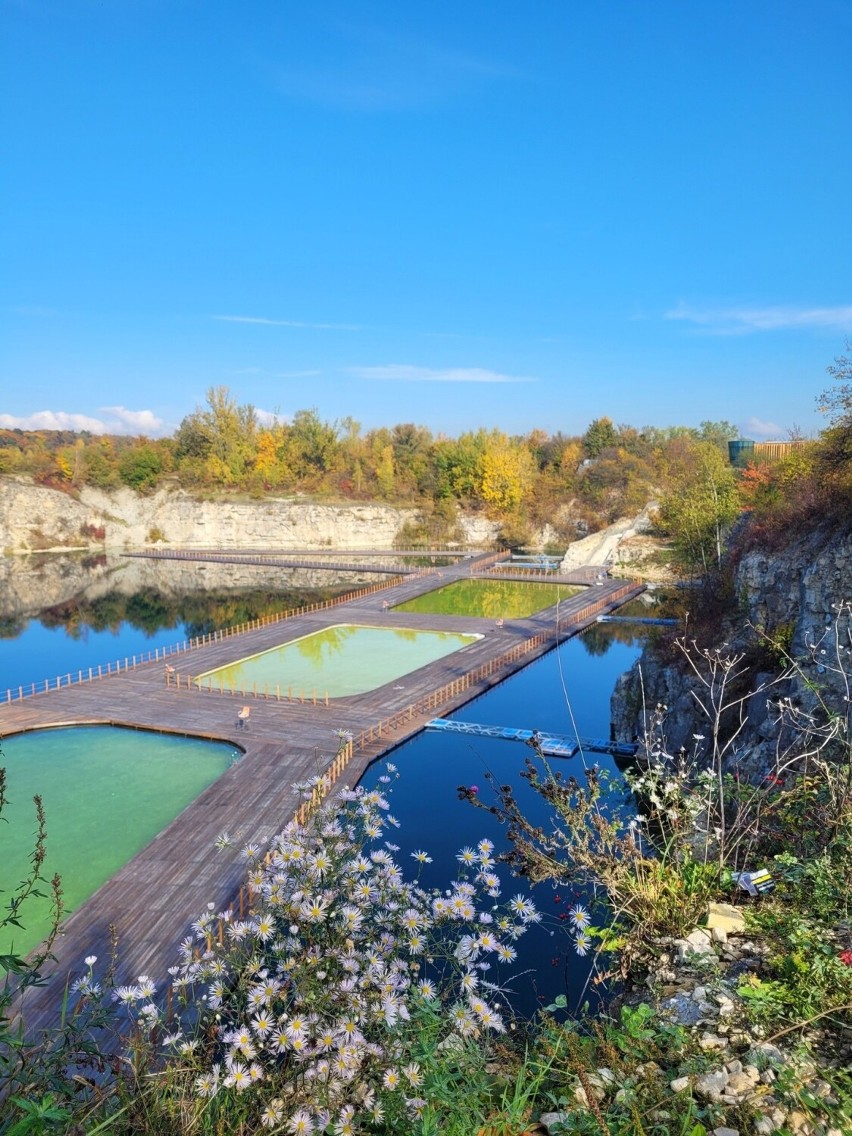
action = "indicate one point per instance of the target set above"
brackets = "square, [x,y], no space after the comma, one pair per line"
[107,792]
[344,659]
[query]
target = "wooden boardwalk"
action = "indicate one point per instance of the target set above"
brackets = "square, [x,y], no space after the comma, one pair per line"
[152,900]
[281,560]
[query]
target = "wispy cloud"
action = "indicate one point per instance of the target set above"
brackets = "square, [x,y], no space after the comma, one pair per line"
[289,323]
[757,428]
[383,71]
[123,421]
[405,373]
[33,310]
[743,320]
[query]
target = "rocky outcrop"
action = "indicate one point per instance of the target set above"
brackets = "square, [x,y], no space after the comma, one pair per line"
[798,597]
[602,547]
[628,548]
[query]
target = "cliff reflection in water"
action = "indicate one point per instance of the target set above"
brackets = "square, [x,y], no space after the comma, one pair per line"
[61,613]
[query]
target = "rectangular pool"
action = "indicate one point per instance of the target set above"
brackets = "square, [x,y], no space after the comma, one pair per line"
[341,660]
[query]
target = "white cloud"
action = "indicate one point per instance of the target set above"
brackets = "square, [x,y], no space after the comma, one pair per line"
[757,428]
[137,421]
[288,323]
[741,320]
[270,417]
[405,373]
[53,420]
[123,421]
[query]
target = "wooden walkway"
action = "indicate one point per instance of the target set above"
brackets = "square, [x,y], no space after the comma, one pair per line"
[282,560]
[156,896]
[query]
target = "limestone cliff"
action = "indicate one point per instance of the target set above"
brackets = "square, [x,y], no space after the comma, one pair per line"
[33,518]
[798,595]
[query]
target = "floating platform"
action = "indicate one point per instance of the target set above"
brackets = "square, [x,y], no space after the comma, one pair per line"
[551,745]
[647,619]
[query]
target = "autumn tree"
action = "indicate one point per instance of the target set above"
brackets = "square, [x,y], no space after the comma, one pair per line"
[269,460]
[413,459]
[506,471]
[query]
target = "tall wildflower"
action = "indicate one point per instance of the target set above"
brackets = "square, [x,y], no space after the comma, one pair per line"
[309,1005]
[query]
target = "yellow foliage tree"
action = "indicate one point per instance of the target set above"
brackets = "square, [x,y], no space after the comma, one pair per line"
[507,469]
[268,462]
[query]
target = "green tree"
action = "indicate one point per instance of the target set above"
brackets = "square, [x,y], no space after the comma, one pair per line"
[458,466]
[719,433]
[835,447]
[312,445]
[701,503]
[601,435]
[218,443]
[140,467]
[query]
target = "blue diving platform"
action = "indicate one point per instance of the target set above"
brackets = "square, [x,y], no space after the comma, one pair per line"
[551,745]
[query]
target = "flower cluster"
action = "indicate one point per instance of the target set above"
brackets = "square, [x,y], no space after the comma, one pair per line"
[312,998]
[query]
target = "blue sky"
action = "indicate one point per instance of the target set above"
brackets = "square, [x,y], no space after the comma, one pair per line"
[463,214]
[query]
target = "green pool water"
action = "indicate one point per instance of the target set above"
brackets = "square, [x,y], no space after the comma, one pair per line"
[343,659]
[490,599]
[107,792]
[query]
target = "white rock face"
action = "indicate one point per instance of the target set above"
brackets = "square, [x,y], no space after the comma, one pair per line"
[602,547]
[36,519]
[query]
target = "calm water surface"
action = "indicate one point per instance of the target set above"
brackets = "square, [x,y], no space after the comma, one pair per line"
[340,660]
[106,792]
[566,691]
[84,632]
[570,687]
[490,599]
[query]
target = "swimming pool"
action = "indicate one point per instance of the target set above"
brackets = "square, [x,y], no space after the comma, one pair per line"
[107,792]
[343,659]
[490,599]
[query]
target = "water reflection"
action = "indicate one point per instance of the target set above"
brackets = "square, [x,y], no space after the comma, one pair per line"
[568,692]
[64,613]
[490,599]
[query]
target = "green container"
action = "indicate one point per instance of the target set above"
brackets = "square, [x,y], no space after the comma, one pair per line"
[740,452]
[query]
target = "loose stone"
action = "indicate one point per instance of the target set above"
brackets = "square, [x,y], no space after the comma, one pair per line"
[711,1085]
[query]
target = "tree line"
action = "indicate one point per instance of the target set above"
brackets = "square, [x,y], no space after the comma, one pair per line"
[520,480]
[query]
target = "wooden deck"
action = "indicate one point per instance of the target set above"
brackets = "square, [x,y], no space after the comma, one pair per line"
[156,896]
